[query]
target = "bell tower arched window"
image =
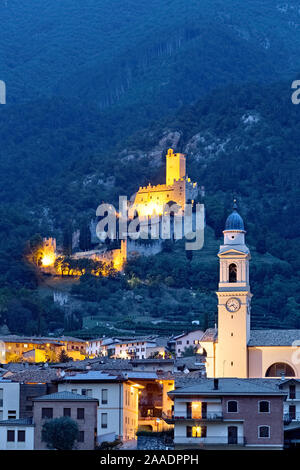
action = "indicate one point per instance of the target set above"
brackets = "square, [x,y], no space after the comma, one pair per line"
[232,272]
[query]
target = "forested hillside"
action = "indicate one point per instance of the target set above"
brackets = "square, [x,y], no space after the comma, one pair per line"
[95,97]
[159,53]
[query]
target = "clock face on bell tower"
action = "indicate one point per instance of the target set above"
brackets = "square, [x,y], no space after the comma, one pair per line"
[233,304]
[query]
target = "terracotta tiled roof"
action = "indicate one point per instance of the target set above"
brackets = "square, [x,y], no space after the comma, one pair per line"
[35,376]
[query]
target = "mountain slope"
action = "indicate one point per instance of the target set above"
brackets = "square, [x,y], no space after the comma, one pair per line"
[160,54]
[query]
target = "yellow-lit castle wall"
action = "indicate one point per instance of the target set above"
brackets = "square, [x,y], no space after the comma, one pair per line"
[150,200]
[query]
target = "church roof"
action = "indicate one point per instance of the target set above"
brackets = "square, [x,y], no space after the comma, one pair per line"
[273,337]
[234,220]
[210,335]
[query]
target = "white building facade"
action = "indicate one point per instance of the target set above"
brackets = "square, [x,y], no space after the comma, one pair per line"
[117,414]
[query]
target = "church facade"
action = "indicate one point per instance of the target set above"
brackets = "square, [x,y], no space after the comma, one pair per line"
[233,349]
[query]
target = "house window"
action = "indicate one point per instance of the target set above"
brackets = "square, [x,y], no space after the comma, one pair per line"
[199,431]
[10,436]
[104,396]
[47,413]
[103,420]
[189,410]
[87,392]
[81,436]
[292,392]
[21,436]
[280,369]
[80,413]
[74,390]
[292,412]
[264,431]
[11,414]
[232,406]
[67,412]
[264,407]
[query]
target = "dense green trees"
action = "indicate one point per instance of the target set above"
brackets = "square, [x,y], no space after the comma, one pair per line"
[60,433]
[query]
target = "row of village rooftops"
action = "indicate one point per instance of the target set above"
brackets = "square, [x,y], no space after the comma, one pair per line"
[108,405]
[48,349]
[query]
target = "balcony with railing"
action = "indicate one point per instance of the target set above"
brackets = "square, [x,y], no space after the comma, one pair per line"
[210,441]
[170,418]
[291,417]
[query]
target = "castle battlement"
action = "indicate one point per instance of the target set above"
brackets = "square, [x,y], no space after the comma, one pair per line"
[158,187]
[178,188]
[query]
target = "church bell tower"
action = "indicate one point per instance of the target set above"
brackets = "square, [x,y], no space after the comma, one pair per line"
[234,299]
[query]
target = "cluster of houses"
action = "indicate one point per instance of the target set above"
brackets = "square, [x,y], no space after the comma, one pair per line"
[48,349]
[112,399]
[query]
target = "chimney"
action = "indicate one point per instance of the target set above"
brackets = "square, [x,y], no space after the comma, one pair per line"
[216,384]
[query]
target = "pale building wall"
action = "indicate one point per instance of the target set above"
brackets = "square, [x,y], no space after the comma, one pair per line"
[94,347]
[168,386]
[118,412]
[216,434]
[9,399]
[262,357]
[210,361]
[130,411]
[214,405]
[190,339]
[232,357]
[139,349]
[29,438]
[292,401]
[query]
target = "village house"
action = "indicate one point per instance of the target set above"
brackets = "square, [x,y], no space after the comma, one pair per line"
[42,349]
[81,408]
[117,413]
[17,434]
[128,400]
[228,413]
[188,340]
[127,348]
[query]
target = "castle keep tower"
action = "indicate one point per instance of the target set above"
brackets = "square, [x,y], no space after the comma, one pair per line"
[234,300]
[175,167]
[179,189]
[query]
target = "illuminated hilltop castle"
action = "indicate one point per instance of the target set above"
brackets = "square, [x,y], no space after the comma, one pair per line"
[179,189]
[148,201]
